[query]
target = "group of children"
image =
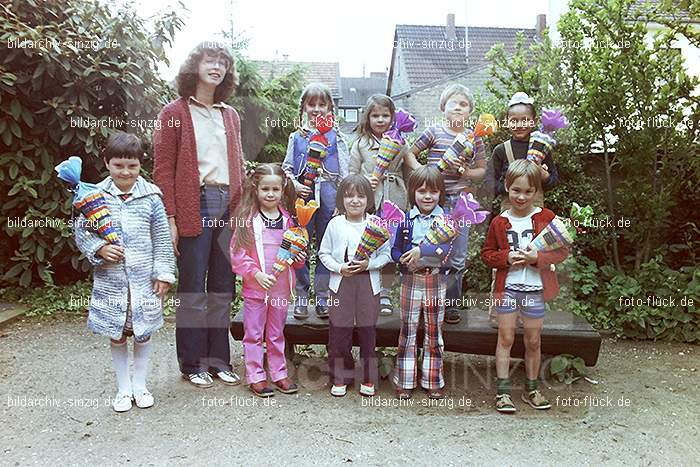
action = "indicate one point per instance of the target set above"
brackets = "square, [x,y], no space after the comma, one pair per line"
[350,293]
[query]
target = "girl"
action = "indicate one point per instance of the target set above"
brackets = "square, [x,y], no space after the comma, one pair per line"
[130,279]
[316,101]
[377,118]
[355,302]
[261,220]
[524,279]
[423,285]
[198,163]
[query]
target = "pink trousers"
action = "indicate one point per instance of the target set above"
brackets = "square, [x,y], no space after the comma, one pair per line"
[264,321]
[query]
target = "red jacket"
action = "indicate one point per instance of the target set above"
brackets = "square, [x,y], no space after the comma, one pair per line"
[496,248]
[175,164]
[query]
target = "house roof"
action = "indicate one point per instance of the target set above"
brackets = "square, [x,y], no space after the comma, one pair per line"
[643,6]
[428,57]
[327,73]
[355,91]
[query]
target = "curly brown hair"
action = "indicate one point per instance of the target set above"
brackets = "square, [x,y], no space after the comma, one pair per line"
[188,76]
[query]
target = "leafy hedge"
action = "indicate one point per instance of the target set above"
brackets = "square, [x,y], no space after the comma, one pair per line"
[64,67]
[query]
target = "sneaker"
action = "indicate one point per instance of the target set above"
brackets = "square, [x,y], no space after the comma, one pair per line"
[385,307]
[228,377]
[437,393]
[143,399]
[301,312]
[260,389]
[122,402]
[200,380]
[286,386]
[339,391]
[504,403]
[322,311]
[536,400]
[367,389]
[452,316]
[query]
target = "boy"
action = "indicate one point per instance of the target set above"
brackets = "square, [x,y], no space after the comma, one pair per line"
[524,279]
[130,279]
[457,105]
[521,118]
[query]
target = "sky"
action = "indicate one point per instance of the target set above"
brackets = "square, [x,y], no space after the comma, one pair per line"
[358,34]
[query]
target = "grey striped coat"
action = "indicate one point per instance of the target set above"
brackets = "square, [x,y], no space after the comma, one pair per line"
[142,226]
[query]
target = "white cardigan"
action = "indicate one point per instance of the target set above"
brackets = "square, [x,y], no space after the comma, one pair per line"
[342,236]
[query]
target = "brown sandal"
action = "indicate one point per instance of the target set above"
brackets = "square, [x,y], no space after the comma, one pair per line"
[438,393]
[403,394]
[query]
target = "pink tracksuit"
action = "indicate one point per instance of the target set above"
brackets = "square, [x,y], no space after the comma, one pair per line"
[264,312]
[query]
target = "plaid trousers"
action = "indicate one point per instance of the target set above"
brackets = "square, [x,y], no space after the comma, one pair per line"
[421,292]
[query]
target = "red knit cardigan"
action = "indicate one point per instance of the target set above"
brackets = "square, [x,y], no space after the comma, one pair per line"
[496,248]
[176,170]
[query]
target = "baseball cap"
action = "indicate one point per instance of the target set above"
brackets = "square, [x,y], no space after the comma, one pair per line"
[520,98]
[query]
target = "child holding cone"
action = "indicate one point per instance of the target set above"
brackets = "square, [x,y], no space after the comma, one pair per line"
[131,278]
[521,120]
[316,104]
[261,220]
[355,285]
[525,279]
[423,284]
[377,119]
[457,105]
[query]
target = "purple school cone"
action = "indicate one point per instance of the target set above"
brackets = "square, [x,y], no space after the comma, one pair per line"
[393,141]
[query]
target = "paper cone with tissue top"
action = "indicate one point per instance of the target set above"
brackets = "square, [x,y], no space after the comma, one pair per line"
[373,237]
[88,199]
[392,141]
[461,150]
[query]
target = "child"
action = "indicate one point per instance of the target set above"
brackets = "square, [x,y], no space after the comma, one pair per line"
[457,105]
[131,279]
[198,163]
[422,286]
[521,118]
[261,221]
[377,118]
[355,290]
[524,279]
[315,101]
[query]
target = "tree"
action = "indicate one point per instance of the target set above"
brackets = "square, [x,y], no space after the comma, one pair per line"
[71,72]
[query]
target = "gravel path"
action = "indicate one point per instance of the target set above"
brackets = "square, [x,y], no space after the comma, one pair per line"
[57,381]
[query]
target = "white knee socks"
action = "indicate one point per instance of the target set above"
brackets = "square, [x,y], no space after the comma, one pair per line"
[120,363]
[142,356]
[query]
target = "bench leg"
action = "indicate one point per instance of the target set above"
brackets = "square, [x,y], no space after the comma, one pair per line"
[289,350]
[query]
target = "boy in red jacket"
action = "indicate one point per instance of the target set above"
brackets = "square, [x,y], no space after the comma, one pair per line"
[525,279]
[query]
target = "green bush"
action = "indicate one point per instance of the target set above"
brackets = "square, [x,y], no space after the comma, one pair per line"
[64,67]
[655,302]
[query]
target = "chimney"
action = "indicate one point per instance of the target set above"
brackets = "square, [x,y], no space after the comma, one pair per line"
[450,33]
[540,25]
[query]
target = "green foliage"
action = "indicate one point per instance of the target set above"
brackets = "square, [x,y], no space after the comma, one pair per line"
[655,302]
[51,299]
[269,110]
[566,368]
[65,64]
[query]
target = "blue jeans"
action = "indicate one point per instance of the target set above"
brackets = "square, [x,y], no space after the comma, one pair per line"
[457,260]
[205,289]
[317,226]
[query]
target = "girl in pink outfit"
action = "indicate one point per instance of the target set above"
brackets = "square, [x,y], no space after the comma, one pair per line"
[261,220]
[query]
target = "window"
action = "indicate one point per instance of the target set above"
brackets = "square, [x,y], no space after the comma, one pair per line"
[351,115]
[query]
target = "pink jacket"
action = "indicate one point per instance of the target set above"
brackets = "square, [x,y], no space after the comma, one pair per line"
[247,261]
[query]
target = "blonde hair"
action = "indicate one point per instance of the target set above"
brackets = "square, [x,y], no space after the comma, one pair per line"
[524,167]
[249,204]
[455,89]
[433,179]
[311,91]
[364,129]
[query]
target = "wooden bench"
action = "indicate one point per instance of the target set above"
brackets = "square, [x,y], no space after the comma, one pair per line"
[563,332]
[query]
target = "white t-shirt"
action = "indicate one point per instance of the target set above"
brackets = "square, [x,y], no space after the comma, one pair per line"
[520,234]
